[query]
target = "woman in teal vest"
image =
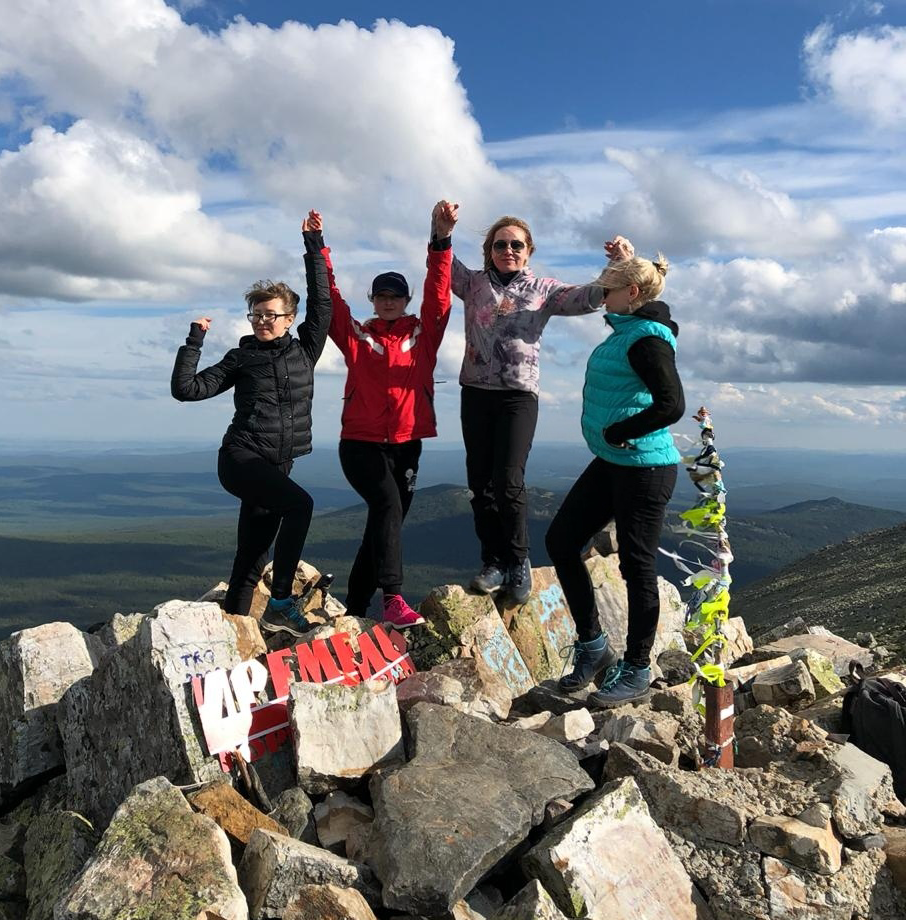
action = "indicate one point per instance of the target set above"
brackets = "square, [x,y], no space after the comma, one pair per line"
[632,393]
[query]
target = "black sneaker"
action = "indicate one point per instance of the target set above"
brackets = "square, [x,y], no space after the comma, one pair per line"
[519,581]
[489,579]
[282,616]
[589,660]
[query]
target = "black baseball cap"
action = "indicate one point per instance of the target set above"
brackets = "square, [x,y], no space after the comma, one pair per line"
[390,281]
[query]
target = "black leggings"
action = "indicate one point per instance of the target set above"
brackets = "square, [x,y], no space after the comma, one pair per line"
[497,430]
[384,475]
[636,499]
[272,506]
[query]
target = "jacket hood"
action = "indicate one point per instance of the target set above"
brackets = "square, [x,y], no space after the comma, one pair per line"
[655,310]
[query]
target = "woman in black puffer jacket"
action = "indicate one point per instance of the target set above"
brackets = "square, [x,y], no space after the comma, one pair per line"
[271,374]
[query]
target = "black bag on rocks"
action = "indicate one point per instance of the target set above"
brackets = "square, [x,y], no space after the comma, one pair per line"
[874,716]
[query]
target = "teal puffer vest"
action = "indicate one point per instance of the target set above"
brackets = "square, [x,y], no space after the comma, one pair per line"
[613,391]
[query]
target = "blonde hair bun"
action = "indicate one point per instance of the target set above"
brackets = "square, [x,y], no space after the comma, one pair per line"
[661,265]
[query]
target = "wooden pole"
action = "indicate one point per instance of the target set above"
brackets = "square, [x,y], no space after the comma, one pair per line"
[719,724]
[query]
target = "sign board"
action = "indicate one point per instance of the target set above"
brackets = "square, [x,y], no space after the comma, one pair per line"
[229,702]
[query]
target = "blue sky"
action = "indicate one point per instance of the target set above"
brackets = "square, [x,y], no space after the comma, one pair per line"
[155,160]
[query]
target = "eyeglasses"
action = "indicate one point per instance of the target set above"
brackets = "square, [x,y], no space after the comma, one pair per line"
[266,318]
[503,245]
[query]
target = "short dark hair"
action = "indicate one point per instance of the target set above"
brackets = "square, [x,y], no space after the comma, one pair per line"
[263,291]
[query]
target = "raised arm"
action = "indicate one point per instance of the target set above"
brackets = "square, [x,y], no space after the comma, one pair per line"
[341,317]
[435,312]
[313,330]
[578,299]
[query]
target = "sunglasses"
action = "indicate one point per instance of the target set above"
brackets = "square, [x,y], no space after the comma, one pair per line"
[266,318]
[503,245]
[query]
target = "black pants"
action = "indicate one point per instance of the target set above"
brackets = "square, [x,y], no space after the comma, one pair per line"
[384,475]
[636,498]
[497,430]
[272,506]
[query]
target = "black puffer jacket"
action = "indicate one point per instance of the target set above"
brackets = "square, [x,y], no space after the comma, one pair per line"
[272,382]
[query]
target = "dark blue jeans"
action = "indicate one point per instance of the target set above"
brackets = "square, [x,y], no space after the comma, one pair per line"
[636,499]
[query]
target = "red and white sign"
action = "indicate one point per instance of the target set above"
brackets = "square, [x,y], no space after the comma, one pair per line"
[228,701]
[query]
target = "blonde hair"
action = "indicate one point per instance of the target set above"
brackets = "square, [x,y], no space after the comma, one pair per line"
[499,224]
[648,275]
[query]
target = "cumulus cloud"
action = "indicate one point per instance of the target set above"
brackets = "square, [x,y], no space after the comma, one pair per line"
[862,72]
[687,209]
[96,213]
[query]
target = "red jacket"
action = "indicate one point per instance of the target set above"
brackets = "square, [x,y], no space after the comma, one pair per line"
[389,394]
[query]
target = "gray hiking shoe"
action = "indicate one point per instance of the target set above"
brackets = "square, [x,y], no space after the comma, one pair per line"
[489,579]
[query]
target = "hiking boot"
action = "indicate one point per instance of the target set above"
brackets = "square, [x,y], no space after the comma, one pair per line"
[282,616]
[519,581]
[625,683]
[399,614]
[589,660]
[489,579]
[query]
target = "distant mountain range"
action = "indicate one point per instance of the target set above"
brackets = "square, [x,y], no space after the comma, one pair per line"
[853,586]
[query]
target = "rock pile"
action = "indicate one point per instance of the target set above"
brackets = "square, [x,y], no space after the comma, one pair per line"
[470,790]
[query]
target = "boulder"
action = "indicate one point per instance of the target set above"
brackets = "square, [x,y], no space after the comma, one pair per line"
[57,846]
[542,626]
[789,685]
[466,684]
[341,733]
[134,718]
[766,734]
[794,627]
[249,641]
[293,810]
[744,673]
[738,643]
[840,651]
[652,732]
[860,790]
[275,867]
[335,818]
[821,670]
[467,625]
[817,849]
[237,817]
[328,902]
[157,859]
[611,603]
[571,726]
[120,628]
[37,666]
[610,859]
[531,903]
[468,797]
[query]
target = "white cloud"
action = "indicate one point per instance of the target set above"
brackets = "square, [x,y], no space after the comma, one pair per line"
[96,213]
[863,72]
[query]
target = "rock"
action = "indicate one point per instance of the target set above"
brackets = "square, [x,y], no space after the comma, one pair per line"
[821,669]
[12,839]
[737,643]
[542,626]
[236,816]
[611,603]
[651,732]
[604,542]
[37,666]
[466,684]
[865,639]
[864,844]
[467,625]
[467,798]
[157,859]
[817,815]
[328,902]
[817,849]
[860,790]
[293,809]
[839,650]
[274,868]
[785,686]
[895,853]
[531,903]
[341,733]
[826,713]
[134,719]
[610,859]
[676,666]
[248,636]
[336,816]
[533,722]
[12,879]
[548,697]
[57,846]
[744,673]
[120,628]
[571,726]
[765,735]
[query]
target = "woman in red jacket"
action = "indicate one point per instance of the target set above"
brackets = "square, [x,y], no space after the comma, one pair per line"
[388,407]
